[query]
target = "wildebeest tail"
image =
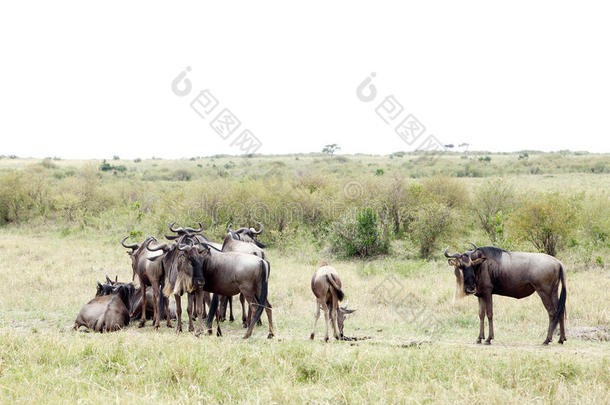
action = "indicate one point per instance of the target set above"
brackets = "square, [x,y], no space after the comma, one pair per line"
[331,280]
[162,299]
[262,299]
[561,306]
[212,310]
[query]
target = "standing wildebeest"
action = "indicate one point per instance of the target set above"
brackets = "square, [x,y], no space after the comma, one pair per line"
[106,313]
[488,270]
[326,286]
[241,241]
[229,273]
[248,235]
[149,273]
[187,235]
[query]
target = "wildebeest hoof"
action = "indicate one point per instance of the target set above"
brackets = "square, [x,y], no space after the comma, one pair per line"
[209,331]
[244,325]
[231,319]
[545,343]
[326,339]
[191,328]
[178,330]
[270,336]
[478,341]
[311,336]
[487,342]
[169,325]
[259,323]
[141,324]
[218,333]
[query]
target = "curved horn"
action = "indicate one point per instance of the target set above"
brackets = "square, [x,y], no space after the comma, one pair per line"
[108,280]
[473,245]
[229,227]
[455,255]
[162,246]
[261,230]
[187,229]
[132,246]
[184,248]
[171,228]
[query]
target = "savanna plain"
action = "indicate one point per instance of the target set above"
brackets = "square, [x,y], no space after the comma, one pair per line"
[381,221]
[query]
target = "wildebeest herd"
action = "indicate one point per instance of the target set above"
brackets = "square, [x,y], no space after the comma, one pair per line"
[194,265]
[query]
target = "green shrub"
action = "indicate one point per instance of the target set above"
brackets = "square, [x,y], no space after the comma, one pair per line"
[492,202]
[433,220]
[362,237]
[546,220]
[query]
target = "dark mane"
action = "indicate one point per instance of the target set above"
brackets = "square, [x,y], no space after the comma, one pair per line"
[493,252]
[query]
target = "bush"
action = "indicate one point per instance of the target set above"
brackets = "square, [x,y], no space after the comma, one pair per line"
[446,190]
[182,175]
[432,221]
[362,237]
[546,220]
[493,201]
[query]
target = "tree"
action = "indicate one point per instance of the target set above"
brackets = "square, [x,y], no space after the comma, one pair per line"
[432,221]
[546,220]
[331,149]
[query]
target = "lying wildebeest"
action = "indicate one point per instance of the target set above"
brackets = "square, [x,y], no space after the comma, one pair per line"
[150,273]
[243,241]
[106,313]
[326,286]
[229,273]
[488,270]
[135,300]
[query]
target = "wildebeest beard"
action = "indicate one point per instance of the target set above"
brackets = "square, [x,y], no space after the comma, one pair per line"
[178,273]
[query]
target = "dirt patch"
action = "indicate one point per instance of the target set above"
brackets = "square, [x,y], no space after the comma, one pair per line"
[595,333]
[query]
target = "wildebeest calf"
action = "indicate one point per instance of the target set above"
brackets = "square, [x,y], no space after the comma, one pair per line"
[106,313]
[326,286]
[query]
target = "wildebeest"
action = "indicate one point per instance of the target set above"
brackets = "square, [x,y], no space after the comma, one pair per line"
[230,273]
[106,313]
[248,244]
[484,271]
[150,273]
[191,235]
[135,300]
[326,286]
[248,235]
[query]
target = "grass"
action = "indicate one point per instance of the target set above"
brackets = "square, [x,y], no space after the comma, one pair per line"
[416,346]
[420,348]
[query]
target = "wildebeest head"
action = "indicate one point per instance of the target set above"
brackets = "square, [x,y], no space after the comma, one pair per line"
[248,235]
[341,312]
[195,255]
[466,266]
[182,231]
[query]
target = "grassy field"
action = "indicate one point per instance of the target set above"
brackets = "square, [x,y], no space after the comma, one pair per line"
[415,345]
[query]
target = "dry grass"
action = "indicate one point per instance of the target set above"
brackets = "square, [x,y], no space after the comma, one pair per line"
[421,347]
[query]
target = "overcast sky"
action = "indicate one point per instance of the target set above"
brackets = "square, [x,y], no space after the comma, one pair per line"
[79,80]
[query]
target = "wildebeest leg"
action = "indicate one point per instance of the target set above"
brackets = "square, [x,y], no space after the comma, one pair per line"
[166,302]
[481,320]
[268,310]
[212,312]
[189,309]
[222,307]
[489,309]
[156,315]
[315,320]
[242,299]
[143,301]
[333,316]
[551,309]
[251,310]
[326,315]
[198,298]
[231,318]
[178,312]
[206,301]
[562,330]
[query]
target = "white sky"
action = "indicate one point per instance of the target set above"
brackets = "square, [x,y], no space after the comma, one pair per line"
[79,80]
